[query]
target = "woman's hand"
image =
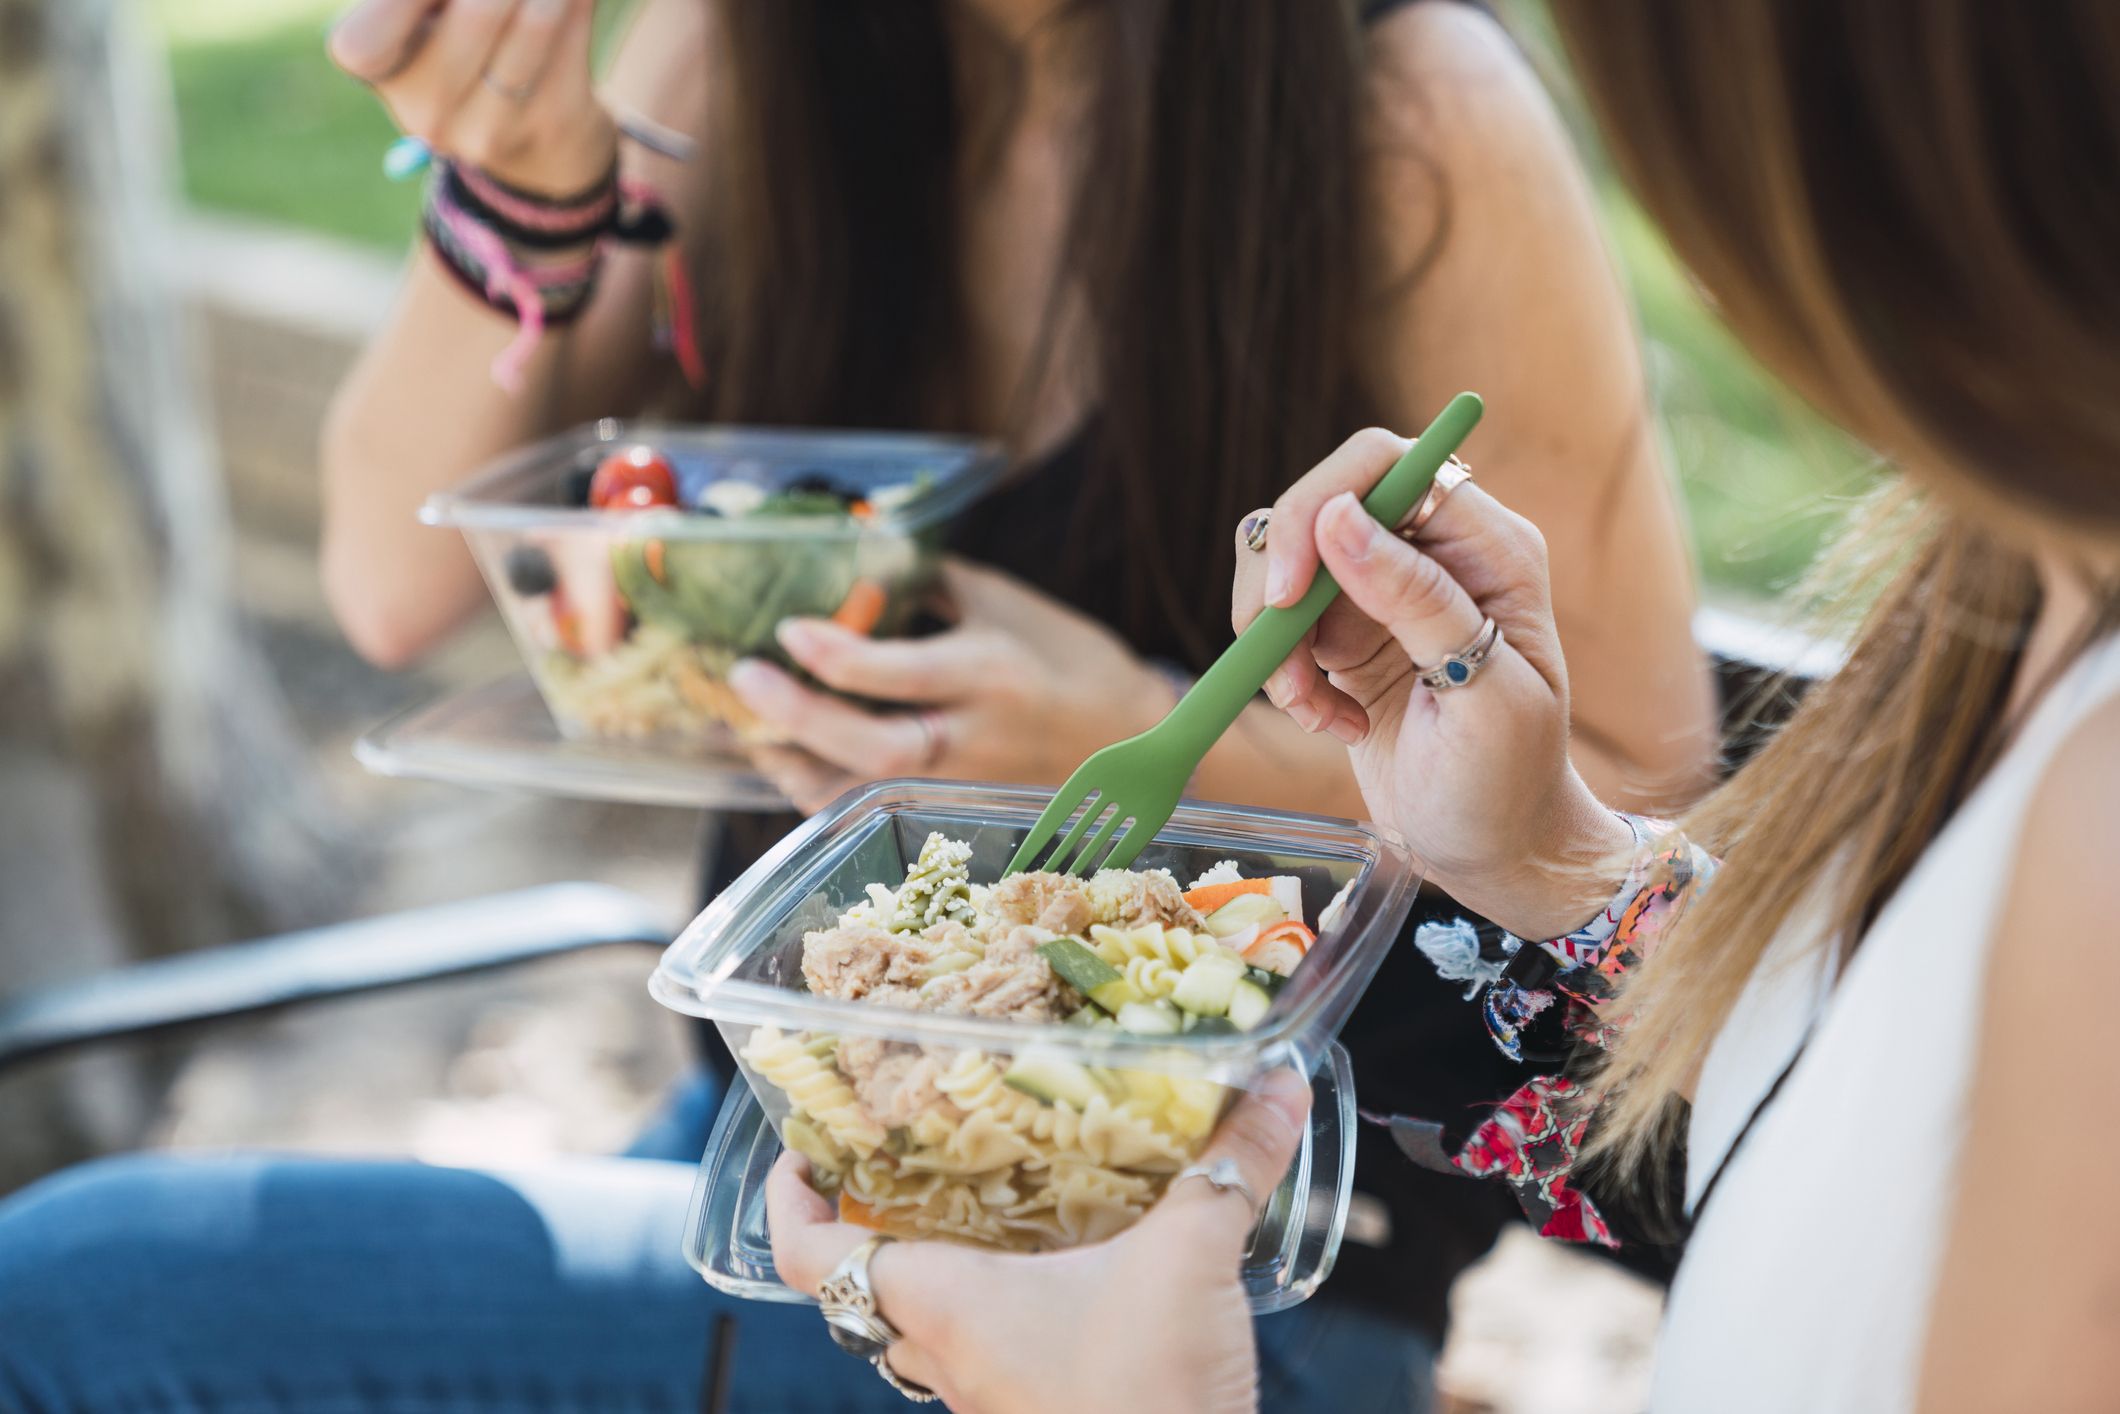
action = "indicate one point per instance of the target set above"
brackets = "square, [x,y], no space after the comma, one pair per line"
[1477,777]
[1153,1320]
[502,84]
[1020,689]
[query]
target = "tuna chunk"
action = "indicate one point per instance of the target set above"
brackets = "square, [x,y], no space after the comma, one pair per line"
[1054,902]
[1012,981]
[895,1081]
[855,959]
[847,962]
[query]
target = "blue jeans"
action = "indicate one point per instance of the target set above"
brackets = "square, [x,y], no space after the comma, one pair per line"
[247,1283]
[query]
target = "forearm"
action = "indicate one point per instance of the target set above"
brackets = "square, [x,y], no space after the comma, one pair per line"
[418,412]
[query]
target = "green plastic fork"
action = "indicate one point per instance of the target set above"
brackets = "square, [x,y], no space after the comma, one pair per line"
[1133,785]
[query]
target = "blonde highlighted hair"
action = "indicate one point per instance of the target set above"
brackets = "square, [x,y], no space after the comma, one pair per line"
[1907,209]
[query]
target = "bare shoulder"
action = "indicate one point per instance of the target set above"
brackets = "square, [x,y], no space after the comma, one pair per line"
[1448,80]
[2065,891]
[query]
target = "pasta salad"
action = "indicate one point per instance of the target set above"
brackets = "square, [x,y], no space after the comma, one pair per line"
[1034,1149]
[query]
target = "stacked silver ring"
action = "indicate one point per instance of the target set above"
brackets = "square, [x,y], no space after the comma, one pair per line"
[848,1304]
[1464,665]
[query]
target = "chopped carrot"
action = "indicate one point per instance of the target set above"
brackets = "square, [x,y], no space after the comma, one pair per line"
[863,607]
[853,1210]
[1209,897]
[651,555]
[861,510]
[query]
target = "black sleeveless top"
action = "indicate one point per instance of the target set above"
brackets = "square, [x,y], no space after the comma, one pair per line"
[1417,1047]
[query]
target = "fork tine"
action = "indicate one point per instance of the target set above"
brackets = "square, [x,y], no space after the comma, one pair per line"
[1085,863]
[1128,848]
[1048,824]
[1092,809]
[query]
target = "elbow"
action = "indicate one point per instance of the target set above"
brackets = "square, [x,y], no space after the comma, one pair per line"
[374,624]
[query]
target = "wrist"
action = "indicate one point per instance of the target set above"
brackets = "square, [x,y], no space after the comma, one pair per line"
[1562,883]
[570,158]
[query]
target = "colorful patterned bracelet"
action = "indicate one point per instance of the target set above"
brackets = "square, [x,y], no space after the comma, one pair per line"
[498,241]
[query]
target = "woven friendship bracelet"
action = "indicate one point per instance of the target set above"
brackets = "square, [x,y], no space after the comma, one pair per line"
[485,233]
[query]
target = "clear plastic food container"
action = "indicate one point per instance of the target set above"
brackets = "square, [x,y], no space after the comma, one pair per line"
[631,612]
[1007,1162]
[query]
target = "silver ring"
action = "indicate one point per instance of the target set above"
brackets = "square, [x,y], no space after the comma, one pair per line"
[1251,531]
[514,93]
[1223,1176]
[848,1304]
[1463,666]
[1448,477]
[935,728]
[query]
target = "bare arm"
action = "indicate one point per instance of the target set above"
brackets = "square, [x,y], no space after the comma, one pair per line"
[420,411]
[2026,1313]
[1520,302]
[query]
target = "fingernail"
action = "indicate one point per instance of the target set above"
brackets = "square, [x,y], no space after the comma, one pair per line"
[1277,584]
[1346,730]
[755,682]
[1350,528]
[1277,687]
[798,636]
[1305,715]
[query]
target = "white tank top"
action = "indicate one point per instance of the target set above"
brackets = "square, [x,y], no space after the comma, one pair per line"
[1807,1283]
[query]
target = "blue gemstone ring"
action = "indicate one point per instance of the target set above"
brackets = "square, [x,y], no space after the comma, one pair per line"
[1464,665]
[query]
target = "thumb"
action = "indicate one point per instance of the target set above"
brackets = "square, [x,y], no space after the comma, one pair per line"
[1394,583]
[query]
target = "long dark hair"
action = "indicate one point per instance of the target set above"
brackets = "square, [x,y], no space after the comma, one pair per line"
[1214,235]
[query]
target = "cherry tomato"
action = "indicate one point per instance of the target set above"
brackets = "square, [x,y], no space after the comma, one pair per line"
[633,480]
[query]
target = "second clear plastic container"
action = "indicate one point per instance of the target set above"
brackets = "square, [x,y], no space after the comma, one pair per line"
[1003,1167]
[629,619]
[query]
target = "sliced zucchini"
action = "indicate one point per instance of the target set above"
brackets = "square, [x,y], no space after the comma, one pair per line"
[1212,1026]
[1245,911]
[1052,1079]
[1273,982]
[1248,1004]
[1204,988]
[1088,974]
[1150,1018]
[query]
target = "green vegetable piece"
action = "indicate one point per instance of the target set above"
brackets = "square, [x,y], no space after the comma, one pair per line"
[1052,1080]
[1248,1004]
[1079,967]
[1204,988]
[1151,1018]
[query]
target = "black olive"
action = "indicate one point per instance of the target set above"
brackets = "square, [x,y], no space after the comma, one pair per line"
[816,483]
[575,490]
[530,571]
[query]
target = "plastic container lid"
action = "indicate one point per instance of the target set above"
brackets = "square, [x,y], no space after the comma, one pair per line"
[500,736]
[526,491]
[739,962]
[1291,1252]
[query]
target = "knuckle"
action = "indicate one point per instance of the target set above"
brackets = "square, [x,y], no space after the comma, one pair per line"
[1377,444]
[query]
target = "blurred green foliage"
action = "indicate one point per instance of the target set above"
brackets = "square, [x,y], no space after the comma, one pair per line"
[271,130]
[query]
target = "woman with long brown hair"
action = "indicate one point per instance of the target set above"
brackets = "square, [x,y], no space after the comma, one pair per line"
[1877,960]
[1166,252]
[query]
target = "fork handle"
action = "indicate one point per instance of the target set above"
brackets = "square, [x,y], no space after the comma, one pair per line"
[1235,678]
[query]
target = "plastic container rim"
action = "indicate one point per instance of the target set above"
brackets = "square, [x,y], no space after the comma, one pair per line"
[475,504]
[1389,875]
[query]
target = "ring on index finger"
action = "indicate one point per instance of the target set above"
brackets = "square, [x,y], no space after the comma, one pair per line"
[935,734]
[1251,531]
[517,93]
[1452,475]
